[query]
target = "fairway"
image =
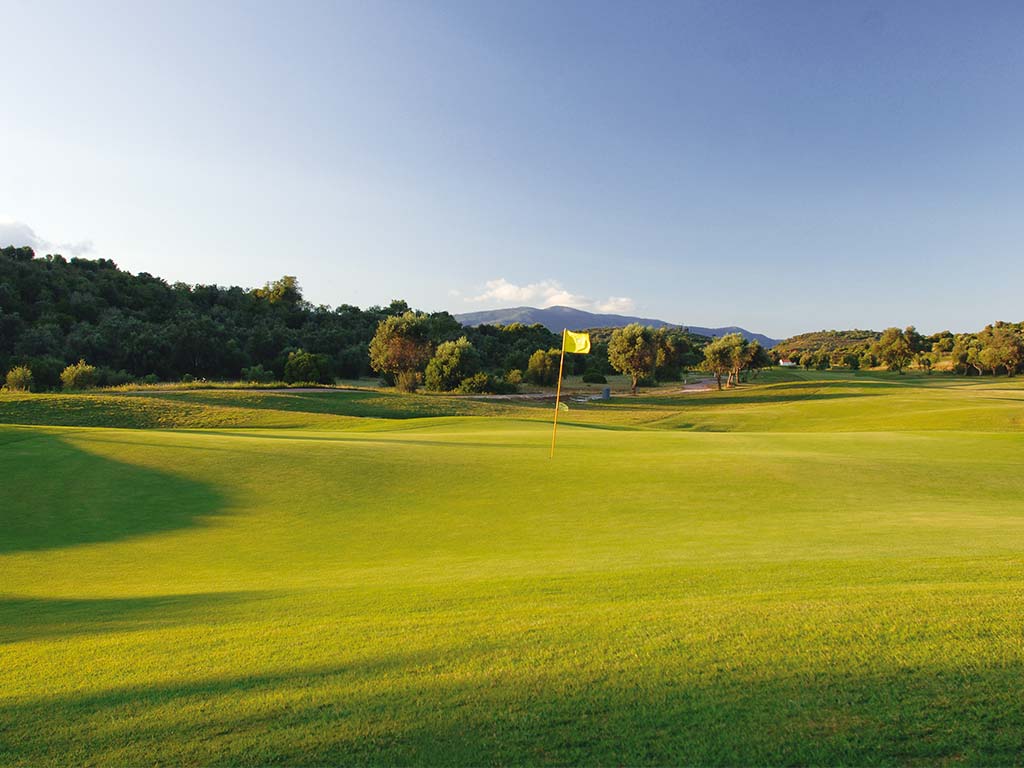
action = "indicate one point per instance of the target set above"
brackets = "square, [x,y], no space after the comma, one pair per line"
[816,569]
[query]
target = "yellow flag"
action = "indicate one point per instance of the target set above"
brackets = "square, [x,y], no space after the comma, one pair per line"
[578,343]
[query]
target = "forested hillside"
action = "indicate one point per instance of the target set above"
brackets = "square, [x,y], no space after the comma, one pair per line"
[56,311]
[828,340]
[996,348]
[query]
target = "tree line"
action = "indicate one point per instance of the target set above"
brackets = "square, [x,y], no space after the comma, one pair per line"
[996,349]
[55,312]
[76,323]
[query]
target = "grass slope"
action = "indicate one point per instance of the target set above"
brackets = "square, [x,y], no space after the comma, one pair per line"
[817,569]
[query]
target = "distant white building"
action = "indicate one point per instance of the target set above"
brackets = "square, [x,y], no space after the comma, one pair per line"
[786,363]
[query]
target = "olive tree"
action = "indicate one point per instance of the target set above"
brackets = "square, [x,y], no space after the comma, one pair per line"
[401,347]
[452,362]
[894,349]
[633,350]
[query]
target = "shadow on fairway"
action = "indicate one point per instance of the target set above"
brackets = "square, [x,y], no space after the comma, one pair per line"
[402,709]
[56,495]
[35,618]
[324,402]
[736,397]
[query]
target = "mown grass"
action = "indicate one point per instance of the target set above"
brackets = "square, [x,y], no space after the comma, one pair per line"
[810,570]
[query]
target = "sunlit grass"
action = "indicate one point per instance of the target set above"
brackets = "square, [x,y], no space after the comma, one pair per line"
[812,569]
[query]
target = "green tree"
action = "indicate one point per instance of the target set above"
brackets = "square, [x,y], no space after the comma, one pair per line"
[718,358]
[739,354]
[674,351]
[758,358]
[926,360]
[1008,345]
[452,362]
[81,375]
[991,358]
[633,350]
[306,366]
[958,354]
[974,358]
[19,378]
[401,347]
[894,349]
[285,291]
[542,368]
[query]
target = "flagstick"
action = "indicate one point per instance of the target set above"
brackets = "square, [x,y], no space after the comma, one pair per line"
[558,397]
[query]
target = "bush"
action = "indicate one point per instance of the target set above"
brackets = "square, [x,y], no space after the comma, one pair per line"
[543,367]
[81,375]
[593,377]
[19,378]
[407,381]
[305,366]
[257,374]
[108,377]
[484,383]
[150,378]
[188,378]
[514,377]
[453,362]
[45,372]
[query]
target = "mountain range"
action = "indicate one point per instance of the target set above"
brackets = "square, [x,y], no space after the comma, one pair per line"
[556,318]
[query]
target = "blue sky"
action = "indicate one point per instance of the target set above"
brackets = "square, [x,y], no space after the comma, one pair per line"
[784,166]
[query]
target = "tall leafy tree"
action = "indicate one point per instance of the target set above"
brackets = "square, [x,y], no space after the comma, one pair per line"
[633,350]
[452,362]
[401,347]
[718,358]
[894,349]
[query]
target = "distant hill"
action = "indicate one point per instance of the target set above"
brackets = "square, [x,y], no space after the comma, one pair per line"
[557,318]
[828,340]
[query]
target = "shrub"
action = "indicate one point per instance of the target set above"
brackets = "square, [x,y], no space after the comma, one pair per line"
[257,374]
[188,378]
[484,383]
[514,377]
[407,381]
[19,378]
[150,378]
[305,366]
[593,377]
[81,375]
[45,371]
[454,361]
[108,377]
[543,367]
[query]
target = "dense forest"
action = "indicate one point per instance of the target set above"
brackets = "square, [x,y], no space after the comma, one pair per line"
[56,311]
[82,322]
[125,328]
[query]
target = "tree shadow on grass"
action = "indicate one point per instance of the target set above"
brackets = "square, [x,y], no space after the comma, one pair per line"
[35,618]
[733,397]
[410,709]
[324,402]
[54,494]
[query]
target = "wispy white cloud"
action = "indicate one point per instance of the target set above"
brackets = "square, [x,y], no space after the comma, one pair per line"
[18,233]
[616,305]
[546,293]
